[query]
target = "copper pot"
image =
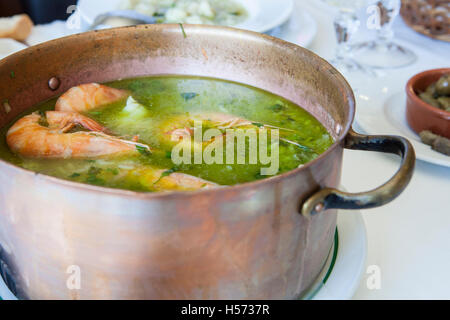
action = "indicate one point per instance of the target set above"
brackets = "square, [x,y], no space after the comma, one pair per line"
[263,240]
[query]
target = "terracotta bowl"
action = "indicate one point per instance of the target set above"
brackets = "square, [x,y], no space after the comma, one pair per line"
[419,114]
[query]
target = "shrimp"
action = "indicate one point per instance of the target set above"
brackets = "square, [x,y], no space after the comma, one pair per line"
[227,121]
[182,127]
[30,137]
[223,120]
[88,97]
[167,180]
[182,182]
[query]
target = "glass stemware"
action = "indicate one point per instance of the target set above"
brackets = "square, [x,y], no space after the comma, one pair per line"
[346,24]
[383,52]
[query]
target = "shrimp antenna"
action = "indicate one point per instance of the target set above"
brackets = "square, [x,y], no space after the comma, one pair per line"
[103,135]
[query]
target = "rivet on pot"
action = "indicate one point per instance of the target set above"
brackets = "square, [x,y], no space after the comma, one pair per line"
[7,106]
[319,207]
[54,83]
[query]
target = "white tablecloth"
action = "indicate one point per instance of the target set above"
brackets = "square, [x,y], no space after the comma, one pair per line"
[408,238]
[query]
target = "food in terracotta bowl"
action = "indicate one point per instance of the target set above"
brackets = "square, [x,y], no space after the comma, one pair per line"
[428,107]
[438,94]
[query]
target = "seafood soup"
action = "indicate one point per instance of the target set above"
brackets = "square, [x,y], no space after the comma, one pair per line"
[164,133]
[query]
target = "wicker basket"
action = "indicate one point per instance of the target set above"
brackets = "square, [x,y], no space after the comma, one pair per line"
[429,17]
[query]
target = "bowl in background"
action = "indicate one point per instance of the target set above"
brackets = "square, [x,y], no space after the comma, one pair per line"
[420,115]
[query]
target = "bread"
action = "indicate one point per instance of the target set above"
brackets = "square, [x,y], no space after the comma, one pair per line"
[17,27]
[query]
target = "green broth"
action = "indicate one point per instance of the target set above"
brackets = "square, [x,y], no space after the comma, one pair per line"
[163,98]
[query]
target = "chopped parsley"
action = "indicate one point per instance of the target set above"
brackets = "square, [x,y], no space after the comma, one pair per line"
[93,178]
[259,176]
[188,95]
[277,107]
[114,171]
[93,171]
[182,30]
[167,173]
[143,150]
[43,120]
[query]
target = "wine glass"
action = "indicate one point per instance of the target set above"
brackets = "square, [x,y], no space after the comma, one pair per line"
[382,52]
[346,24]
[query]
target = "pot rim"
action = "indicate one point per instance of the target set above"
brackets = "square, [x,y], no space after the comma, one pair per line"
[411,92]
[239,187]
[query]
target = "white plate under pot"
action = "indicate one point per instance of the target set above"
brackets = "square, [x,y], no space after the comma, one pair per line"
[346,264]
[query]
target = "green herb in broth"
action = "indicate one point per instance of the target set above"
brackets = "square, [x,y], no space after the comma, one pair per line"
[157,101]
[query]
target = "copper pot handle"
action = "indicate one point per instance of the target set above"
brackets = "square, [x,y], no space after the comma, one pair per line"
[334,199]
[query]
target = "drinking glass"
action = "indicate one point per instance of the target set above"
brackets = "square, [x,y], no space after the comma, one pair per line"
[382,52]
[346,24]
